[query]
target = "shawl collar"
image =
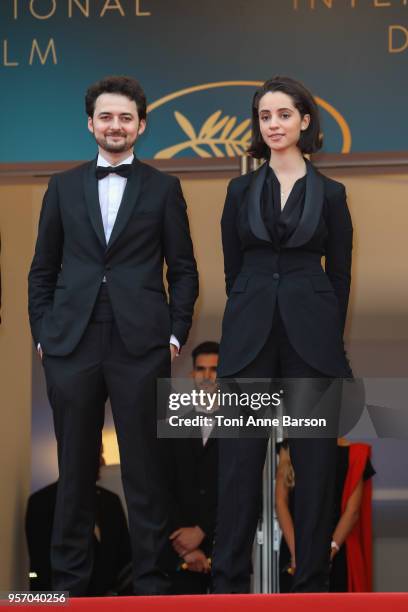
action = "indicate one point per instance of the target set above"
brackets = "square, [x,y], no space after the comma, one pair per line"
[256,221]
[92,202]
[311,211]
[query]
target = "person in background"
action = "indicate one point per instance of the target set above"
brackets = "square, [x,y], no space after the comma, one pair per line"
[193,477]
[351,545]
[112,569]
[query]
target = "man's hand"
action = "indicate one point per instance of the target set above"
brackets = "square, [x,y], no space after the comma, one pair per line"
[173,351]
[187,539]
[197,561]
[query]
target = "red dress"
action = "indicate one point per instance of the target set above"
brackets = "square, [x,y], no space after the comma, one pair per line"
[359,541]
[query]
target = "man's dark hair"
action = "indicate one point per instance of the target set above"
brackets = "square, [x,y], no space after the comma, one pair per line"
[205,348]
[310,139]
[124,85]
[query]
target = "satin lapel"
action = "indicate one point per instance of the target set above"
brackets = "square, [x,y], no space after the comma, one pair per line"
[256,222]
[128,202]
[92,202]
[311,211]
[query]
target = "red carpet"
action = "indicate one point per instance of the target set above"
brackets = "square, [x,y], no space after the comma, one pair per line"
[353,602]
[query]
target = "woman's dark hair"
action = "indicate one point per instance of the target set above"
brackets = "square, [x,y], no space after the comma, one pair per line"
[124,85]
[310,139]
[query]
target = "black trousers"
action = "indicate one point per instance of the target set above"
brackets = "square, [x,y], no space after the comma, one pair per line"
[241,462]
[78,386]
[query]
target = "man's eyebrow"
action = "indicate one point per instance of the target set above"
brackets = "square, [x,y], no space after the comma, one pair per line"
[105,112]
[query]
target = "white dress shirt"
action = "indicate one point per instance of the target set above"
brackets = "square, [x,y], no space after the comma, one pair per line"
[111,190]
[206,429]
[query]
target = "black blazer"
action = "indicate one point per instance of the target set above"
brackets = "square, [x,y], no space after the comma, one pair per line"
[259,275]
[192,482]
[72,257]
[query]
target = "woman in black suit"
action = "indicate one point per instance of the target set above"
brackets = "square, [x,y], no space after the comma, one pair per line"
[284,318]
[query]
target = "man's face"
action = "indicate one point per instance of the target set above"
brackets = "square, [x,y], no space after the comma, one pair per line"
[205,372]
[115,123]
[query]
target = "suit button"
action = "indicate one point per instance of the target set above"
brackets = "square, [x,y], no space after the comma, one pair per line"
[275,276]
[202,491]
[108,268]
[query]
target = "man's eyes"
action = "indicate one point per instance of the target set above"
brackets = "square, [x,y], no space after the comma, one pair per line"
[124,118]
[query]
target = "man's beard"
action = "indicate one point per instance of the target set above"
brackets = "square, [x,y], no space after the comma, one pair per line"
[115,147]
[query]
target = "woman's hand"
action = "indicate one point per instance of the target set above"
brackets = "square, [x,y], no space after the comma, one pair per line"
[334,549]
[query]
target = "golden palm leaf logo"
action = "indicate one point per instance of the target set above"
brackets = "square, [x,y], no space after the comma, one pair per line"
[219,136]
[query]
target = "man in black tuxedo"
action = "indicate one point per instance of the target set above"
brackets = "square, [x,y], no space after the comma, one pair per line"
[193,481]
[102,324]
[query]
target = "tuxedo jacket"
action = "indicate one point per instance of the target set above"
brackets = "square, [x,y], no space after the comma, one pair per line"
[72,258]
[112,553]
[262,275]
[193,482]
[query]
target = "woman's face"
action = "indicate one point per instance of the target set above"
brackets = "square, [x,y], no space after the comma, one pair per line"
[280,121]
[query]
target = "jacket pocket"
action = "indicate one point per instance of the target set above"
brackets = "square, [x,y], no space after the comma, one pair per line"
[240,284]
[321,283]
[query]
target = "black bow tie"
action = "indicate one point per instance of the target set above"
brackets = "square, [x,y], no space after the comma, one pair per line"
[123,170]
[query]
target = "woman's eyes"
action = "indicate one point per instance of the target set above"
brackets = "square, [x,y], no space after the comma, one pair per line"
[281,116]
